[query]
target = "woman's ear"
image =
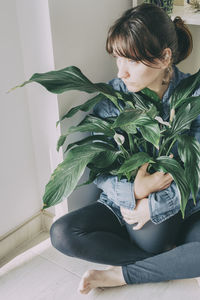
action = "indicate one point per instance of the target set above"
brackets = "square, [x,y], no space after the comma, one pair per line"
[167,57]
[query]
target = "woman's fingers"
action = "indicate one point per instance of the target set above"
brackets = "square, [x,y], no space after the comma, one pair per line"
[129,221]
[164,187]
[163,177]
[169,176]
[138,226]
[143,169]
[128,215]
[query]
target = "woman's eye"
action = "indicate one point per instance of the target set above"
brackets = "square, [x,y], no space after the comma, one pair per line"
[133,61]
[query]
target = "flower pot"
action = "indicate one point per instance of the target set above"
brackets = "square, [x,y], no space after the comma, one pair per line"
[166,5]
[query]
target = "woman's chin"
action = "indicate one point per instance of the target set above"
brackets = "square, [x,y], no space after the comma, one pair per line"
[133,89]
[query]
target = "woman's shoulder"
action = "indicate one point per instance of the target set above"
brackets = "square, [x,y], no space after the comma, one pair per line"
[179,75]
[118,85]
[105,108]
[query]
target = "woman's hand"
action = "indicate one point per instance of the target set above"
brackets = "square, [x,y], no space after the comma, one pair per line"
[146,183]
[140,214]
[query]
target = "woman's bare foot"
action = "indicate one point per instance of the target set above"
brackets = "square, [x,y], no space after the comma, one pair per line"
[91,279]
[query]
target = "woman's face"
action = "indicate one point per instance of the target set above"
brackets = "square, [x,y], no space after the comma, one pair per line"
[138,76]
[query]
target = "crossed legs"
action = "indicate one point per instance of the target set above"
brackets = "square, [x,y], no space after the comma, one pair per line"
[94,233]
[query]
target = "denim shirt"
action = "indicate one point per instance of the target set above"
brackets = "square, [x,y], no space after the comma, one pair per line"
[115,193]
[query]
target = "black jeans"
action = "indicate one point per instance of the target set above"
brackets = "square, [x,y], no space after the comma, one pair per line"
[93,233]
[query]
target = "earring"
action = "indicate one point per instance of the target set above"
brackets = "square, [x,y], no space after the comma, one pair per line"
[167,75]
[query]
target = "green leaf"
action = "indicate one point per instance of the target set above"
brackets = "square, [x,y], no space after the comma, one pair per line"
[151,94]
[185,101]
[128,117]
[135,161]
[189,152]
[88,105]
[129,128]
[105,159]
[66,176]
[151,133]
[71,78]
[139,101]
[185,89]
[103,163]
[94,124]
[67,79]
[89,123]
[170,165]
[92,176]
[151,98]
[184,117]
[61,141]
[134,118]
[89,139]
[152,112]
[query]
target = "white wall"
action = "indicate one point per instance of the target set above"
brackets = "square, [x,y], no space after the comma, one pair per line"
[36,45]
[28,115]
[19,189]
[192,63]
[79,30]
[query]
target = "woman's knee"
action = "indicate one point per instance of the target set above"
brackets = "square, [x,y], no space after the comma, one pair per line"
[62,236]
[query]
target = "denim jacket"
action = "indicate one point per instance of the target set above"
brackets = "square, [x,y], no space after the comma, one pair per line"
[115,193]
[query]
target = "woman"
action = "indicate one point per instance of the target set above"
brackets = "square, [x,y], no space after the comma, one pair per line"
[147,46]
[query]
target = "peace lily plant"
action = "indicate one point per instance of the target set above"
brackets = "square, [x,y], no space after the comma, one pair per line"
[120,145]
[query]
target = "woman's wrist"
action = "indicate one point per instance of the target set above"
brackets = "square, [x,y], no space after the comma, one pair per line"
[140,194]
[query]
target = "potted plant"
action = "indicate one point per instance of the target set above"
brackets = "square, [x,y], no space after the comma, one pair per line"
[123,143]
[166,5]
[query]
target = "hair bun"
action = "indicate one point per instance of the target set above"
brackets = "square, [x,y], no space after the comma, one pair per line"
[184,36]
[178,21]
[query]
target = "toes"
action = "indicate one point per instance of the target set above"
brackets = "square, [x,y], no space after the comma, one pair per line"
[85,284]
[85,290]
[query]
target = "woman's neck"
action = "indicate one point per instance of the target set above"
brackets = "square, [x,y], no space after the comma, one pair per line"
[161,91]
[161,85]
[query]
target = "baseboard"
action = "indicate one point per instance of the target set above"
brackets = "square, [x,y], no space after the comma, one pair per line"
[47,220]
[39,222]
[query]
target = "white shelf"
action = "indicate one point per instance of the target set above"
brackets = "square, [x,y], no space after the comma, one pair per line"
[187,13]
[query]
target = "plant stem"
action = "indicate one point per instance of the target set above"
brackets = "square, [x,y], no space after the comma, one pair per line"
[154,152]
[145,146]
[172,143]
[125,152]
[130,138]
[161,149]
[164,144]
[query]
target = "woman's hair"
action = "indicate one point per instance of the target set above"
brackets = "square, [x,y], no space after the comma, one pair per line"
[143,32]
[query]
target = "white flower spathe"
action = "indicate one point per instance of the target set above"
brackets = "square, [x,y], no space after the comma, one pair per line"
[119,139]
[160,120]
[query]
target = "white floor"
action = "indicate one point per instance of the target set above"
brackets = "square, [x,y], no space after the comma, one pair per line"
[39,272]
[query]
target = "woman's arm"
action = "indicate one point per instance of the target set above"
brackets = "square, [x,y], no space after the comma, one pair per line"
[162,201]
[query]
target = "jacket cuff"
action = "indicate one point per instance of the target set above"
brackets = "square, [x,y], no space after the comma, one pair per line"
[120,192]
[125,194]
[164,204]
